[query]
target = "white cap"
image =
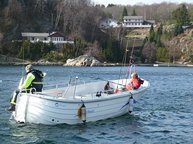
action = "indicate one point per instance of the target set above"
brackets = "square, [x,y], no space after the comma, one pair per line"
[28,68]
[134,74]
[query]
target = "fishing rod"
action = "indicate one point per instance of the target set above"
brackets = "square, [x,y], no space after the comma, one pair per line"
[131,61]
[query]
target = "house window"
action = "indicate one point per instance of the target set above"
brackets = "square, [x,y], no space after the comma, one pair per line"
[45,39]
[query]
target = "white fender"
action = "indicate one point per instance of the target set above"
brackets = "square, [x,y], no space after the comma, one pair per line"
[82,113]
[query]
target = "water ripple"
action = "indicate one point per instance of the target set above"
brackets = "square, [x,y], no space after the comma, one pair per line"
[162,116]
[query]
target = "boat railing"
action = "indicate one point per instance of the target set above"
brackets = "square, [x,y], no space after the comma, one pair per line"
[55,86]
[72,82]
[76,81]
[61,89]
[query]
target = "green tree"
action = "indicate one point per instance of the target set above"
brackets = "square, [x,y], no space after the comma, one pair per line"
[53,56]
[111,5]
[4,49]
[35,51]
[178,29]
[151,34]
[3,3]
[25,50]
[124,12]
[79,46]
[112,53]
[167,35]
[46,48]
[162,54]
[68,51]
[158,35]
[181,15]
[134,13]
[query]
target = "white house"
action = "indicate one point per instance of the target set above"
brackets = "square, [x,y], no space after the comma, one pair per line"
[128,22]
[54,37]
[137,22]
[109,23]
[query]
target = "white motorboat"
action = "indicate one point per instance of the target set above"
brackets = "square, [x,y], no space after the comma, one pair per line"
[77,103]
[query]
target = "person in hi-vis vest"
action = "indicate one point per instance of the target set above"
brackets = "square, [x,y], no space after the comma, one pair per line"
[32,83]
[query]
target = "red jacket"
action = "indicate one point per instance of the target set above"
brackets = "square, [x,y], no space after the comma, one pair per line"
[135,83]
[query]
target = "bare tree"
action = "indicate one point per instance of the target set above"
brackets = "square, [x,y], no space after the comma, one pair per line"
[13,10]
[149,52]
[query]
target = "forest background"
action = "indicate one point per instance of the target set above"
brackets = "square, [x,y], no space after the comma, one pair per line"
[170,40]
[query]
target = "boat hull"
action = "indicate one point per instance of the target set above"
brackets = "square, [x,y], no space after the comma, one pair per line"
[49,109]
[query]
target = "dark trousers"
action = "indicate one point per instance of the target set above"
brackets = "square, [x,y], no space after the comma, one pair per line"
[14,97]
[15,94]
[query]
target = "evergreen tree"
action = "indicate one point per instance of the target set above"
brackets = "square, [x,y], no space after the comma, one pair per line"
[151,34]
[112,53]
[134,13]
[25,50]
[178,29]
[158,35]
[3,3]
[124,12]
[182,19]
[181,15]
[162,54]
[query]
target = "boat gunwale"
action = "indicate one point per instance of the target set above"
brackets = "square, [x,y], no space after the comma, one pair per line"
[90,100]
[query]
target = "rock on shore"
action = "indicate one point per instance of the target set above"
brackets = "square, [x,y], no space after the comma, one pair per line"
[83,60]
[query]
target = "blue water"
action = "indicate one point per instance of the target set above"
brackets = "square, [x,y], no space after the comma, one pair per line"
[164,115]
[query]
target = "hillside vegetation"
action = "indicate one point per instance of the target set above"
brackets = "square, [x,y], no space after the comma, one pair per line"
[79,20]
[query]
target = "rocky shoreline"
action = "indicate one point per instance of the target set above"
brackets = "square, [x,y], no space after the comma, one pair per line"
[81,61]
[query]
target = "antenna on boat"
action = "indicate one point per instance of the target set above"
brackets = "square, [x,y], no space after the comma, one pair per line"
[124,59]
[75,86]
[23,62]
[23,67]
[123,62]
[131,61]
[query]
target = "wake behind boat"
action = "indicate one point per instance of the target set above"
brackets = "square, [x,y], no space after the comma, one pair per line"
[77,103]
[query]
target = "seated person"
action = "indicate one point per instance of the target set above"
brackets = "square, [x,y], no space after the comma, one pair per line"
[108,89]
[135,82]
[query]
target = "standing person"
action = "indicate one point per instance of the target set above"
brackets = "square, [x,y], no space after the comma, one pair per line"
[33,83]
[135,82]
